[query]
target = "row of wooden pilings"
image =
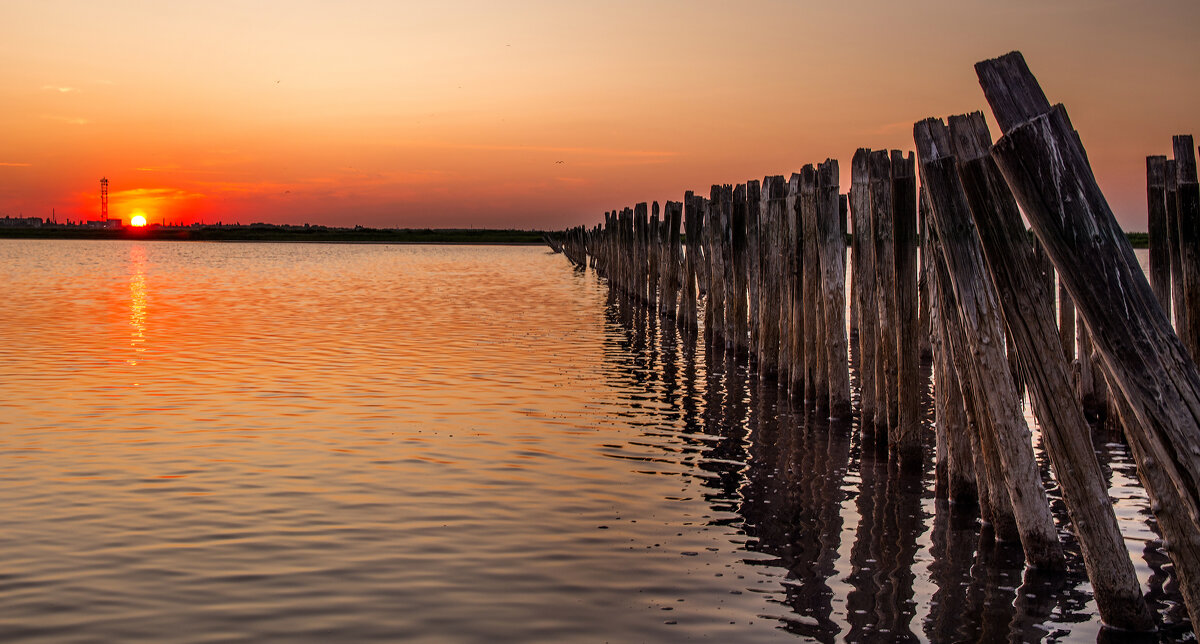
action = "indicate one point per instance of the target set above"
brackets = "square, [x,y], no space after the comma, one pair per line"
[769,260]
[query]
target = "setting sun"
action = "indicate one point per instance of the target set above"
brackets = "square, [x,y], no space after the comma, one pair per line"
[138,220]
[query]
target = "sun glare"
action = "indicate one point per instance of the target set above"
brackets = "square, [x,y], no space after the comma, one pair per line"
[138,220]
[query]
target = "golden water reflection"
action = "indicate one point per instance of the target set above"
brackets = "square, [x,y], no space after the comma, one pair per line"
[137,302]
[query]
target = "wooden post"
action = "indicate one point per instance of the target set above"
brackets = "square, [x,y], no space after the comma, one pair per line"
[995,508]
[1178,302]
[980,315]
[1156,226]
[906,439]
[722,211]
[816,384]
[1066,319]
[805,267]
[738,272]
[955,465]
[1043,160]
[791,361]
[1187,199]
[1085,375]
[753,265]
[925,310]
[1066,433]
[714,307]
[886,409]
[864,269]
[691,250]
[641,216]
[674,217]
[654,250]
[774,199]
[832,256]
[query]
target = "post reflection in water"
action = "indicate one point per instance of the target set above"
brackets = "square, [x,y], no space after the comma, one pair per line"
[852,548]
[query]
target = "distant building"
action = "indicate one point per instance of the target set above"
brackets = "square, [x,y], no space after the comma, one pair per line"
[105,223]
[21,222]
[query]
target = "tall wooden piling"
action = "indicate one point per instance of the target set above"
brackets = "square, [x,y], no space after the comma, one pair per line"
[1187,199]
[995,507]
[1178,301]
[721,203]
[816,382]
[1066,322]
[689,304]
[1067,436]
[955,462]
[1156,226]
[925,306]
[979,311]
[791,348]
[832,256]
[773,202]
[753,263]
[654,247]
[863,257]
[905,439]
[802,279]
[886,409]
[739,270]
[1042,159]
[674,266]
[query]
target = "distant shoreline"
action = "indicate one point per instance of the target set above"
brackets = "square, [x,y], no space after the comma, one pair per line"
[284,234]
[320,235]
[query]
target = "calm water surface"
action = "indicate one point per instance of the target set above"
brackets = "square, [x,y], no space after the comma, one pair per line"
[256,442]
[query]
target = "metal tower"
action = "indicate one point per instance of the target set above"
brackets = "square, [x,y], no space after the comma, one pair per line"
[104,199]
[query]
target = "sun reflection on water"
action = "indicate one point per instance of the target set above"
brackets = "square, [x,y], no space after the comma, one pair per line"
[137,302]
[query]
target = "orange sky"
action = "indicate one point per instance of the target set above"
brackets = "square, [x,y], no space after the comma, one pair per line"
[458,114]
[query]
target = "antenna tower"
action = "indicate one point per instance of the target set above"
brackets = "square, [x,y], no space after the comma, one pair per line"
[104,199]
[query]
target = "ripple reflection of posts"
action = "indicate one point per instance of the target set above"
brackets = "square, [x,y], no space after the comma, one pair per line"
[137,302]
[792,502]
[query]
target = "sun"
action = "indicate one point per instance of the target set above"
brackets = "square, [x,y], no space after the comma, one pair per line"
[138,220]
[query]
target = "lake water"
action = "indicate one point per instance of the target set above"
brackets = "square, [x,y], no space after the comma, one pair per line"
[286,442]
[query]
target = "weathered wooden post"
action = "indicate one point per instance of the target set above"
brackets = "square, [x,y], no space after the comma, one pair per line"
[805,266]
[774,200]
[980,316]
[1187,198]
[1178,301]
[864,269]
[674,216]
[1156,226]
[753,264]
[690,263]
[955,465]
[1066,319]
[925,310]
[815,379]
[886,405]
[721,205]
[905,440]
[995,508]
[738,272]
[791,362]
[1042,159]
[654,250]
[641,217]
[832,256]
[1067,436]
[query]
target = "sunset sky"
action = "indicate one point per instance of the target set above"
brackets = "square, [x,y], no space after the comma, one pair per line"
[537,114]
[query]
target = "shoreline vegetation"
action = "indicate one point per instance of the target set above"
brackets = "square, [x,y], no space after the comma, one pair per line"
[321,234]
[275,233]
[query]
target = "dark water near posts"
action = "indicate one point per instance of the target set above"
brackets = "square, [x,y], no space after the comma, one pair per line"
[285,442]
